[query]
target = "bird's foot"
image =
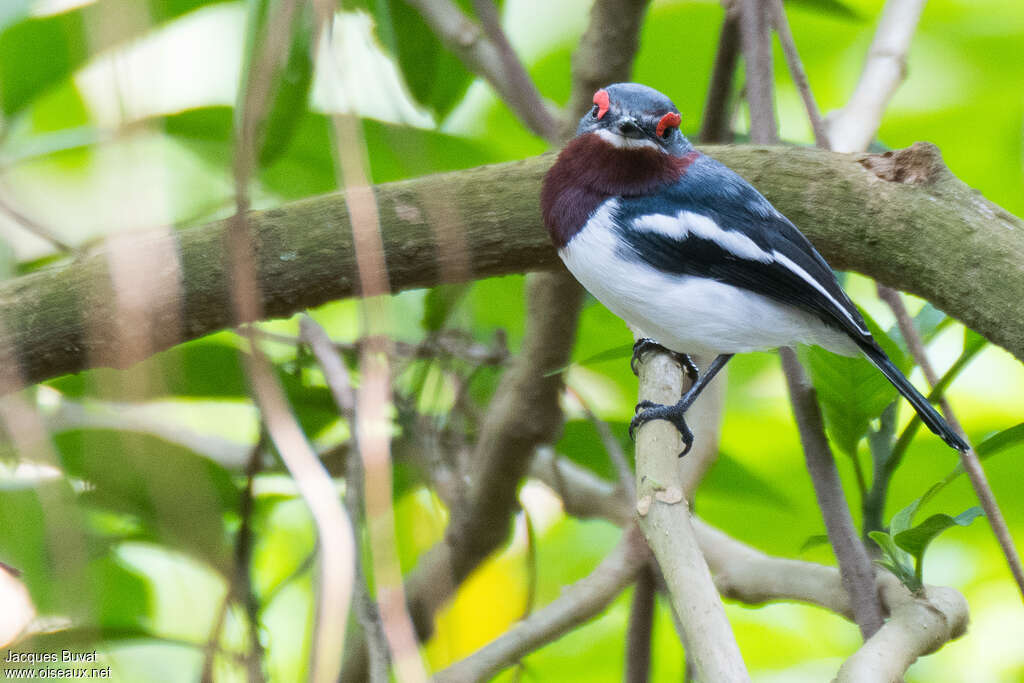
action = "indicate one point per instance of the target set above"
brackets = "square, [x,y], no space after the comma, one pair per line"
[644,344]
[649,410]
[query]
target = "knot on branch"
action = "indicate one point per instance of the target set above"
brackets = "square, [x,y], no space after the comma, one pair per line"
[919,164]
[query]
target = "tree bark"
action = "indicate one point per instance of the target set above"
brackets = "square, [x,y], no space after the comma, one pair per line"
[902,218]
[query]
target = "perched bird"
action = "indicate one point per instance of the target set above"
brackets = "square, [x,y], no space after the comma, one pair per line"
[681,247]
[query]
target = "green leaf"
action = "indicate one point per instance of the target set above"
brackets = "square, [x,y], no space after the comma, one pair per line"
[730,477]
[178,495]
[904,519]
[440,303]
[40,52]
[205,368]
[895,560]
[582,444]
[997,443]
[929,321]
[852,392]
[813,542]
[614,353]
[435,77]
[916,540]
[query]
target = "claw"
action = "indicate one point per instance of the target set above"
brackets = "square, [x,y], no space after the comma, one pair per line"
[645,344]
[648,410]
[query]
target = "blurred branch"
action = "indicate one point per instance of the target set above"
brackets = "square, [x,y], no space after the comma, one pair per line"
[756,40]
[454,343]
[715,125]
[914,223]
[852,128]
[241,585]
[577,604]
[640,630]
[243,288]
[490,56]
[664,518]
[605,53]
[612,447]
[522,414]
[340,384]
[855,567]
[34,226]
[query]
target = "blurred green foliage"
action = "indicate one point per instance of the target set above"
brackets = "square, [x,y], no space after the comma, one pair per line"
[132,532]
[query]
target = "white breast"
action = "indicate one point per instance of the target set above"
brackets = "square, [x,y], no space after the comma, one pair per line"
[686,313]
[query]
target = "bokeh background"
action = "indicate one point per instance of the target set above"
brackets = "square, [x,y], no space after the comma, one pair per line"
[118,116]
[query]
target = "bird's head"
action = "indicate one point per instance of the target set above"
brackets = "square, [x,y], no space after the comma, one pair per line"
[634,116]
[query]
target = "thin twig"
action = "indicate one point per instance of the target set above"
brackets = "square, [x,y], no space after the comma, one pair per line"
[969,459]
[454,343]
[796,68]
[242,586]
[212,648]
[854,563]
[757,57]
[611,446]
[35,227]
[576,604]
[334,531]
[715,124]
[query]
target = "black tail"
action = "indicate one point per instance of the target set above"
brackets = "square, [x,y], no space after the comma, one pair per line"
[928,414]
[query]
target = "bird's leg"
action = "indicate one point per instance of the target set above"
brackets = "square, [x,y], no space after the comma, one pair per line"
[674,413]
[645,344]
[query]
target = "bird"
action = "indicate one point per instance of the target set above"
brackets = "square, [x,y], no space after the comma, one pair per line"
[685,250]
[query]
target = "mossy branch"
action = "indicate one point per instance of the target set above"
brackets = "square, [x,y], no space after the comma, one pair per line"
[902,218]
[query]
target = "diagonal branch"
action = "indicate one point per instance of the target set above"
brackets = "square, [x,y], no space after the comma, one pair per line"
[491,57]
[855,565]
[852,128]
[577,604]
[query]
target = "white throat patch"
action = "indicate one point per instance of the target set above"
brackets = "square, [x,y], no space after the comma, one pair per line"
[622,142]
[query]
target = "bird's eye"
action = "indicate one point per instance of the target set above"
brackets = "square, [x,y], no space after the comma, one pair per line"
[593,112]
[667,133]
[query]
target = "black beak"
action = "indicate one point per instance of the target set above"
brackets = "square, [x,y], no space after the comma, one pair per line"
[629,128]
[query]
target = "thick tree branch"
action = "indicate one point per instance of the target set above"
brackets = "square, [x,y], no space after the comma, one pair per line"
[901,218]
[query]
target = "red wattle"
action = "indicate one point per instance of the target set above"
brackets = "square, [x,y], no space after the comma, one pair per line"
[669,120]
[601,100]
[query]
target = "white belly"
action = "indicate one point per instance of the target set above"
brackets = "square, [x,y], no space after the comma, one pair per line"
[690,314]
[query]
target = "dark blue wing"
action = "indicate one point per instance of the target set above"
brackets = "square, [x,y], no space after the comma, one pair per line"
[712,223]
